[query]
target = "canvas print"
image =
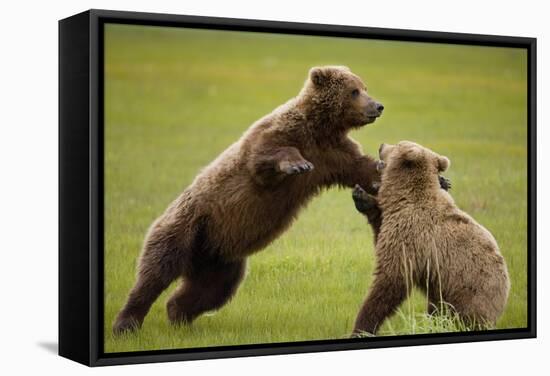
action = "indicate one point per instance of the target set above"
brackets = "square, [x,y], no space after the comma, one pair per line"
[275,188]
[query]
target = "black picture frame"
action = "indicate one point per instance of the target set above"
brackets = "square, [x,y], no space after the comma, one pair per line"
[81,186]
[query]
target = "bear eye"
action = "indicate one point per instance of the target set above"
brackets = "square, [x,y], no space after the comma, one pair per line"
[355,93]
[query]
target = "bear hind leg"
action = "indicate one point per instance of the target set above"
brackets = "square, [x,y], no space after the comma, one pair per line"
[477,313]
[206,289]
[157,269]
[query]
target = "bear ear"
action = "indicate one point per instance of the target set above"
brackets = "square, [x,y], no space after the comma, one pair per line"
[318,76]
[443,163]
[412,155]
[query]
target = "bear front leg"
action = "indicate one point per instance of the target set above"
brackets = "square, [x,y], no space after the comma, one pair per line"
[388,291]
[362,171]
[273,165]
[367,205]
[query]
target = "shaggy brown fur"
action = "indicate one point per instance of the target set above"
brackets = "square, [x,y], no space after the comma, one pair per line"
[425,240]
[368,205]
[250,194]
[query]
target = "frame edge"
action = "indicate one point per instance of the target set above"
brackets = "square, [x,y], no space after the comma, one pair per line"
[90,353]
[74,162]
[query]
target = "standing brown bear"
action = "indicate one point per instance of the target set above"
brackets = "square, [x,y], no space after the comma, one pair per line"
[250,194]
[425,240]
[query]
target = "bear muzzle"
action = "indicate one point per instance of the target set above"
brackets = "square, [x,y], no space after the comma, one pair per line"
[374,111]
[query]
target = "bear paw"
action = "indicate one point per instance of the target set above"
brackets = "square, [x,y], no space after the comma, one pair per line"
[363,201]
[125,325]
[297,167]
[444,183]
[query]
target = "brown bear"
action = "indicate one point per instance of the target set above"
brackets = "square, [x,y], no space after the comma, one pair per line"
[250,194]
[423,239]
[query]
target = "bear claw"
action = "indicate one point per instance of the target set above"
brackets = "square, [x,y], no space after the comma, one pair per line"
[358,192]
[298,168]
[444,183]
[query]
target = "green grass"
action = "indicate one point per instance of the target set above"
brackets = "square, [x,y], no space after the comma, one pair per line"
[176,98]
[407,320]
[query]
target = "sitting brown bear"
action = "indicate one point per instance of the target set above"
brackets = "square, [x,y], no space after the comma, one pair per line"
[250,194]
[424,238]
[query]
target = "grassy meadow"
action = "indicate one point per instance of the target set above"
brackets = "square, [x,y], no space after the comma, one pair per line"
[176,98]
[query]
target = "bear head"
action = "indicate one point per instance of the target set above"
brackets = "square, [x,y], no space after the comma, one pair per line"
[339,98]
[410,166]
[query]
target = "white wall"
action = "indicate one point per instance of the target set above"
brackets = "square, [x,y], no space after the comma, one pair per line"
[28,184]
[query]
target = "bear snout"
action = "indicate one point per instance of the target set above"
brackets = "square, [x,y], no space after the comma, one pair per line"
[373,109]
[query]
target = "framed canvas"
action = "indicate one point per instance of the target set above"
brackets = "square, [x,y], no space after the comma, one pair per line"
[234,187]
